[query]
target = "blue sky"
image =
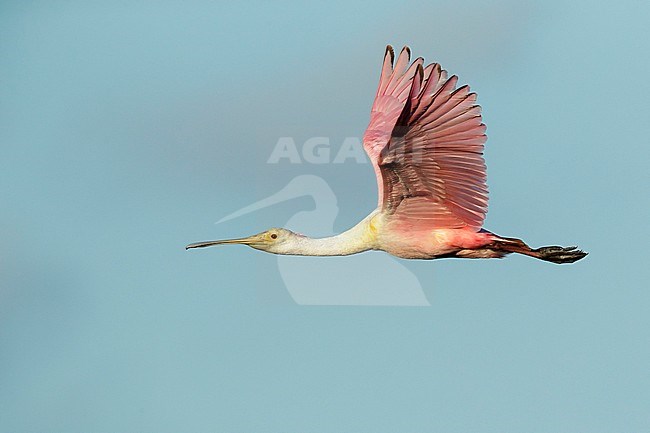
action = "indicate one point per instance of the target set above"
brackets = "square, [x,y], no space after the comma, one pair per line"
[127,130]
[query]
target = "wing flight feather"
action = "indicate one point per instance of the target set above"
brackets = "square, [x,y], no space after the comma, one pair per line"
[425,140]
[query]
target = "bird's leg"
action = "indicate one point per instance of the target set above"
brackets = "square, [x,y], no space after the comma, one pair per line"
[560,255]
[555,254]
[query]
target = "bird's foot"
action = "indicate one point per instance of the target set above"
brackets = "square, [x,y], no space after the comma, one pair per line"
[557,254]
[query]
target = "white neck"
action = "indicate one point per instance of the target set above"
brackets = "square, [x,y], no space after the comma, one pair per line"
[353,241]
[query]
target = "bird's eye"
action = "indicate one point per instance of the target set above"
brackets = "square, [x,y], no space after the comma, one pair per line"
[274,236]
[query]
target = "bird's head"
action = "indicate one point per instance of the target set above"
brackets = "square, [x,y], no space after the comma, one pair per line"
[274,240]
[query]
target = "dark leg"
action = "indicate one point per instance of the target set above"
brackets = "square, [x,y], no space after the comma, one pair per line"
[560,254]
[553,254]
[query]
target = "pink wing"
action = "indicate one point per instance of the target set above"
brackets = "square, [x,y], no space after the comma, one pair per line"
[425,140]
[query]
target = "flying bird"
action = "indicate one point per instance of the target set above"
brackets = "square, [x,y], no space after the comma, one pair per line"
[425,141]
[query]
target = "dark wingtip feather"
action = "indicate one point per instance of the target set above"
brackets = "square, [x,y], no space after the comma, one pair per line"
[391,51]
[420,71]
[408,52]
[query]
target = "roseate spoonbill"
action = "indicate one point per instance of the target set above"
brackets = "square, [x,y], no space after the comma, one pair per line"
[339,280]
[425,141]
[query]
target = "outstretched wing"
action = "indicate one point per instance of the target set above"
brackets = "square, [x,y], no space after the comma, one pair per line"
[425,140]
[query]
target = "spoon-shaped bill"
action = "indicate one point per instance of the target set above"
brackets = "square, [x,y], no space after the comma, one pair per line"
[243,241]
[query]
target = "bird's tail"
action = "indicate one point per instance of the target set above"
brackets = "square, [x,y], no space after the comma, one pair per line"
[553,254]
